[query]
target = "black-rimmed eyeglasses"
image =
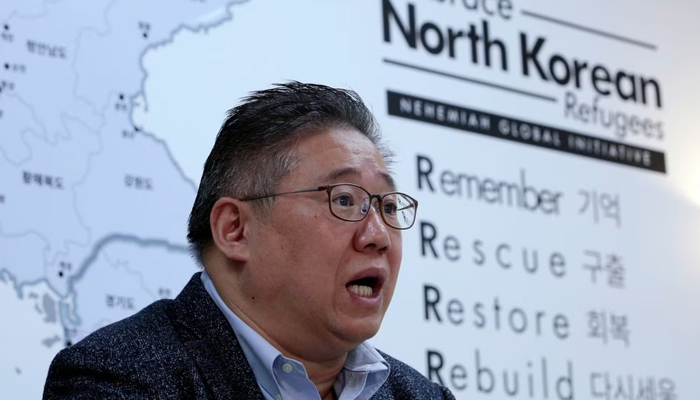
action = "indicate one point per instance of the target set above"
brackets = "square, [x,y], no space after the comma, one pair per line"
[351,202]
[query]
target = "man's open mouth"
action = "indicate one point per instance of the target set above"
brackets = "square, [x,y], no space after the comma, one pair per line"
[367,287]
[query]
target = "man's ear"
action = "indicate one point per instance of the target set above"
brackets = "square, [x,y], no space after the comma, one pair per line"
[228,222]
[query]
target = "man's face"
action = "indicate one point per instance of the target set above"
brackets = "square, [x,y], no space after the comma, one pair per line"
[304,261]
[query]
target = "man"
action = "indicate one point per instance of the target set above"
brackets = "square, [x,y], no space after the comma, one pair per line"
[297,224]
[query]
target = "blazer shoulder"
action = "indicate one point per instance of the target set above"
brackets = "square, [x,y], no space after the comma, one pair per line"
[141,336]
[132,358]
[405,382]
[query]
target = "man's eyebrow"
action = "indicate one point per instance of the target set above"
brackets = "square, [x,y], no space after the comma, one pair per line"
[350,171]
[389,181]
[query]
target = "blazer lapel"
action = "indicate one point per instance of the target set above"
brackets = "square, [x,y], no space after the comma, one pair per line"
[383,393]
[212,344]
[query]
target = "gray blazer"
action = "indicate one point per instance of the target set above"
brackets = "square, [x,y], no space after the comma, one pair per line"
[183,349]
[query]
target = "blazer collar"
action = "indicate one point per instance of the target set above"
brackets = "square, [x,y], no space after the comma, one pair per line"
[212,344]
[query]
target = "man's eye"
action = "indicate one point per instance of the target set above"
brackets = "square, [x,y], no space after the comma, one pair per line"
[343,200]
[389,208]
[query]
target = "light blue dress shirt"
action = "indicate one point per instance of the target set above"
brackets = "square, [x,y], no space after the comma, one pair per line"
[281,378]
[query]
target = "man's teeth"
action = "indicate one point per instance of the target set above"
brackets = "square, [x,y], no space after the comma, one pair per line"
[361,290]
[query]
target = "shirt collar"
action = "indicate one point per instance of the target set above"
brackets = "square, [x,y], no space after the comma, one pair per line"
[260,354]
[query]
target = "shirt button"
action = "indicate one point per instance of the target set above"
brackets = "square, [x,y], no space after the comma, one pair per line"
[278,396]
[287,367]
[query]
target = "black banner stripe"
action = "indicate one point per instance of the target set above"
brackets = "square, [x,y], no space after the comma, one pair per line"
[529,133]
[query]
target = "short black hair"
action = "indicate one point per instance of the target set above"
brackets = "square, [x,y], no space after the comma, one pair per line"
[254,147]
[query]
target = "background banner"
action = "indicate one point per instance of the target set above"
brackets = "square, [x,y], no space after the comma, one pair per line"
[552,146]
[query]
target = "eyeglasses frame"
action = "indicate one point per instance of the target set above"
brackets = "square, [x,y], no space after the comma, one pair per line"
[329,188]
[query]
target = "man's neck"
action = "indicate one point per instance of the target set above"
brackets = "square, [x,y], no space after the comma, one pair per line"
[323,375]
[322,372]
[330,396]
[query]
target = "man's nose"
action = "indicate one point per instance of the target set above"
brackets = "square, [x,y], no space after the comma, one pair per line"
[373,233]
[373,203]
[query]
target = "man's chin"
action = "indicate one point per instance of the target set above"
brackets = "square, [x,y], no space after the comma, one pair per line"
[360,331]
